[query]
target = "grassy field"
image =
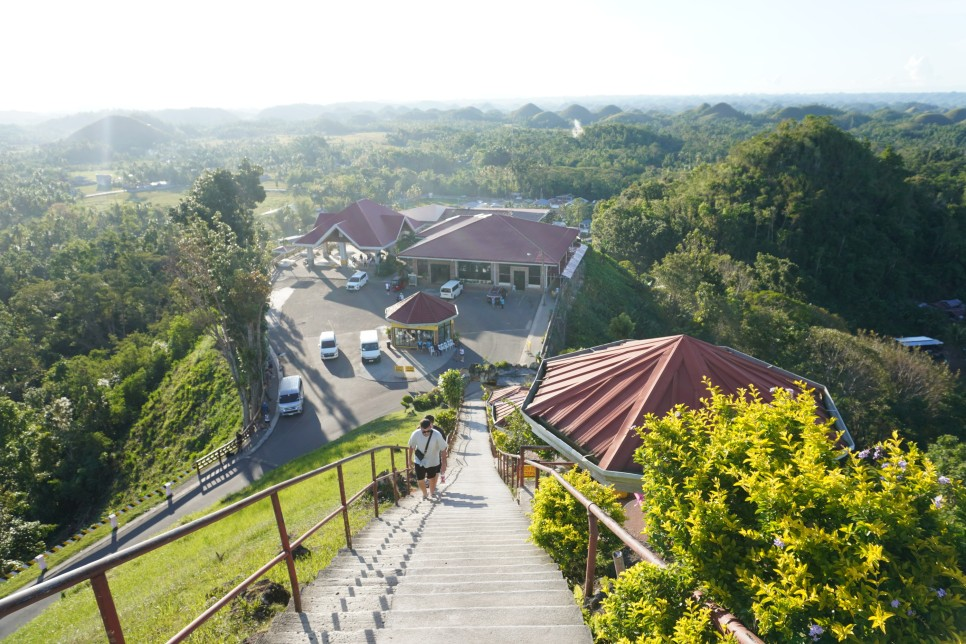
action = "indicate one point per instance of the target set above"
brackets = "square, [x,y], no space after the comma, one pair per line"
[169,198]
[159,593]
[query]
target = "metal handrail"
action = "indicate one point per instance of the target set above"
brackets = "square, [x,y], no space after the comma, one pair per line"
[96,572]
[510,468]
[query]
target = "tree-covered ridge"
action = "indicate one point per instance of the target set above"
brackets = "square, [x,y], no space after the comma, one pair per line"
[863,234]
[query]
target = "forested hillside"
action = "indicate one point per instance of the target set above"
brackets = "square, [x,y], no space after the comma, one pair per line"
[805,242]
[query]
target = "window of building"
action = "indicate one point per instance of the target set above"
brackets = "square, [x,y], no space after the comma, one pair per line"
[504,274]
[474,272]
[534,276]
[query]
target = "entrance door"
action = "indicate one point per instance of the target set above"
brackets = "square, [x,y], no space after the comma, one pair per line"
[520,279]
[439,273]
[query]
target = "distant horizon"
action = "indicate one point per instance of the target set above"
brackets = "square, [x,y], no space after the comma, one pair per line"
[65,58]
[551,103]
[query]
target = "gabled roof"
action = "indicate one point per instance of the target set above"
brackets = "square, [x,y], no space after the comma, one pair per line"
[530,214]
[426,214]
[503,401]
[365,224]
[421,308]
[594,398]
[493,238]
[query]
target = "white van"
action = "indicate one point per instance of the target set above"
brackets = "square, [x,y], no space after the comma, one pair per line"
[357,281]
[369,345]
[290,395]
[328,347]
[451,289]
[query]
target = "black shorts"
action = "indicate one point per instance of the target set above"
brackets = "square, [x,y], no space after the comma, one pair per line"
[426,472]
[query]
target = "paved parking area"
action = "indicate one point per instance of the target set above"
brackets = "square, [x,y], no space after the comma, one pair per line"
[308,301]
[344,393]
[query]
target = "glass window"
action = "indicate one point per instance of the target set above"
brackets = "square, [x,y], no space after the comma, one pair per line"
[504,274]
[474,271]
[534,276]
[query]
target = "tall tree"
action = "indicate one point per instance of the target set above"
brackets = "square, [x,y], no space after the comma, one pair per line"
[222,272]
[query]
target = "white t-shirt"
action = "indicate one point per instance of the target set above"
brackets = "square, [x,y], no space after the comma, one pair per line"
[431,455]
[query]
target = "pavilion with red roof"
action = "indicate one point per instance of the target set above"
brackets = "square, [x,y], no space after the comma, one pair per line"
[586,404]
[421,318]
[368,226]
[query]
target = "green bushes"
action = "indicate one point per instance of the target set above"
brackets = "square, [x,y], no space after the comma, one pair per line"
[514,434]
[754,499]
[559,523]
[446,421]
[427,401]
[451,386]
[653,605]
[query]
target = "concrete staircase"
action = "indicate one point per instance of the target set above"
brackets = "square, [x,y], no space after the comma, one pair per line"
[455,569]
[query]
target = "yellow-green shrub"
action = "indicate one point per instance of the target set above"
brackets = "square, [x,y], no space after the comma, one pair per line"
[652,605]
[559,523]
[801,540]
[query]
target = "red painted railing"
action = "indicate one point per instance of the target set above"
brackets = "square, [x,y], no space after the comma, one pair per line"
[97,571]
[511,469]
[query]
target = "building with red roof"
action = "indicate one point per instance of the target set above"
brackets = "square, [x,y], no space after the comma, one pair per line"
[368,226]
[490,248]
[586,404]
[420,319]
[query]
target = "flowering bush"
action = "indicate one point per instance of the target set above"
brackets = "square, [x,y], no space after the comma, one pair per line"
[559,523]
[803,541]
[652,605]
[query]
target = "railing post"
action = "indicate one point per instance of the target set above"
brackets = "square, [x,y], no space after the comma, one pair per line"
[345,508]
[105,604]
[375,485]
[520,469]
[392,467]
[591,556]
[287,549]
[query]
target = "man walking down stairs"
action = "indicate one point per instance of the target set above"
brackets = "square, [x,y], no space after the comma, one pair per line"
[457,569]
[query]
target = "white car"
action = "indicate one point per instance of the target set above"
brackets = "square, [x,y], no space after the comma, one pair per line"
[328,347]
[357,281]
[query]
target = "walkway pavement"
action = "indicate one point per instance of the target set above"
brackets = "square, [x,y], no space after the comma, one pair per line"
[454,569]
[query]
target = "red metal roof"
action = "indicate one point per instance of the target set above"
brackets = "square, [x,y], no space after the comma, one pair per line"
[421,308]
[505,400]
[595,398]
[365,224]
[493,238]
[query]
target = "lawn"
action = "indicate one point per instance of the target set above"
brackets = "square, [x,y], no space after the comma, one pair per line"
[158,594]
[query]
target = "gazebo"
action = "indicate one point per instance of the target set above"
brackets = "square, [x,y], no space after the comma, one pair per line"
[420,321]
[586,404]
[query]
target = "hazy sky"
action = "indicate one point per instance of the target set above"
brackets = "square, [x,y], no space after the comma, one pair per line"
[75,56]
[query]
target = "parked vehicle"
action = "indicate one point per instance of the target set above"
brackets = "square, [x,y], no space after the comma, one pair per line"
[399,282]
[451,290]
[357,281]
[290,395]
[328,346]
[495,295]
[369,345]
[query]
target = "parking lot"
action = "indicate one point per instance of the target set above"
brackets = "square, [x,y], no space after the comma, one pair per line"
[343,393]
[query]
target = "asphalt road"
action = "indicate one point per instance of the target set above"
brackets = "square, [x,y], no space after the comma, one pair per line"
[340,394]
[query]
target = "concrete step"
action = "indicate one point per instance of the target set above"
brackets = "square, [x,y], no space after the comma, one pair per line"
[433,587]
[494,634]
[475,616]
[470,572]
[468,599]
